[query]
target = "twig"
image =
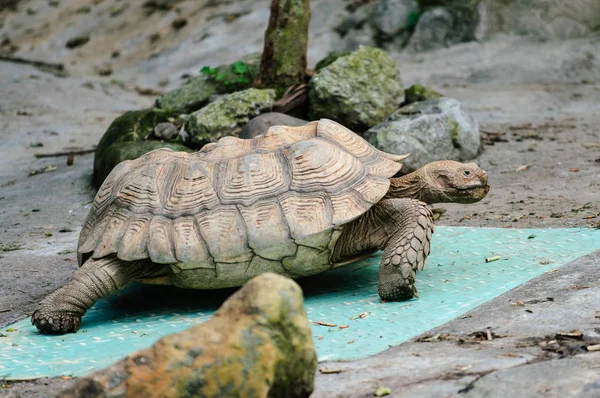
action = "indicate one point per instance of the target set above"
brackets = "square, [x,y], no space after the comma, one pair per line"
[524,167]
[57,154]
[293,97]
[57,69]
[325,323]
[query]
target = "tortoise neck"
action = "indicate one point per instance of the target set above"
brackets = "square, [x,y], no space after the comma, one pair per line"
[413,185]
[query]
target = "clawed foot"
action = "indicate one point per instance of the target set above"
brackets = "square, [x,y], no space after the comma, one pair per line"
[398,293]
[52,322]
[398,286]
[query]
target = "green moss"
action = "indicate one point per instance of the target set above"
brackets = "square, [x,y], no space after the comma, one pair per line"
[125,139]
[219,80]
[358,90]
[286,39]
[227,115]
[418,92]
[454,133]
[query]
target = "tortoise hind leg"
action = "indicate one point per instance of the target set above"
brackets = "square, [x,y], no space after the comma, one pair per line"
[61,311]
[407,249]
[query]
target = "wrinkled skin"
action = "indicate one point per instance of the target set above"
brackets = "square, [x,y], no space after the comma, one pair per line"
[444,181]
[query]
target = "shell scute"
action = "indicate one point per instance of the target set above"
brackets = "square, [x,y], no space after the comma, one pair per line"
[236,199]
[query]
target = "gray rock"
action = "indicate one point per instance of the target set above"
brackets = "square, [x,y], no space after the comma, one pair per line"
[358,90]
[355,30]
[165,131]
[431,130]
[260,124]
[390,17]
[191,96]
[201,89]
[227,115]
[125,139]
[443,26]
[553,19]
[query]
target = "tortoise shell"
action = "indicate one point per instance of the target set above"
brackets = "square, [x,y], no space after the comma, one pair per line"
[238,207]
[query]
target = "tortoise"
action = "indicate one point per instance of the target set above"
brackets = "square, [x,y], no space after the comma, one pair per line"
[298,201]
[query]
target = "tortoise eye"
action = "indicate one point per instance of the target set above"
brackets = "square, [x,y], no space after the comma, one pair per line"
[467,173]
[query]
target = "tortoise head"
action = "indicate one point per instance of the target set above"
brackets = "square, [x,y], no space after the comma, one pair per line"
[451,181]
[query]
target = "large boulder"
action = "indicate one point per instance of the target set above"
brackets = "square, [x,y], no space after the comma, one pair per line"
[357,90]
[126,139]
[197,91]
[260,124]
[258,344]
[227,115]
[430,130]
[383,23]
[554,19]
[393,17]
[442,27]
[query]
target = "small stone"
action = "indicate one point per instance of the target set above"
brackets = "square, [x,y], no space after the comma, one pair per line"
[104,70]
[165,131]
[179,23]
[259,342]
[77,41]
[260,124]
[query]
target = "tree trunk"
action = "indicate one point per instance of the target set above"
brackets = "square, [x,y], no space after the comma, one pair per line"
[283,62]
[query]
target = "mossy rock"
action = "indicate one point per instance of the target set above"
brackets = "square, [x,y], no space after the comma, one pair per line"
[358,90]
[227,115]
[220,80]
[418,92]
[258,344]
[125,140]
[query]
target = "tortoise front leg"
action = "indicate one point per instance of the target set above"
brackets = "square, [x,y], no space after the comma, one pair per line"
[406,250]
[61,311]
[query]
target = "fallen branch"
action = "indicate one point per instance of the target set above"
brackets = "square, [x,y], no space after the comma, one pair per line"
[294,96]
[67,153]
[57,69]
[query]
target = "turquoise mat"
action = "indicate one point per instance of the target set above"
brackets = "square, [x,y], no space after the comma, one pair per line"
[455,280]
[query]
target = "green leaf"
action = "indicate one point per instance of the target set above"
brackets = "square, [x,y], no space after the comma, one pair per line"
[240,68]
[381,391]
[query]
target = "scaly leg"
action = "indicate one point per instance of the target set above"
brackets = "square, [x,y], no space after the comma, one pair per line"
[407,249]
[400,227]
[61,311]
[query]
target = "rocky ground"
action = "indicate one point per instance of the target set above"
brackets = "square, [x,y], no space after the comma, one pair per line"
[536,102]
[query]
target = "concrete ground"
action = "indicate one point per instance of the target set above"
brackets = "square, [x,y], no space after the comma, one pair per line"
[537,99]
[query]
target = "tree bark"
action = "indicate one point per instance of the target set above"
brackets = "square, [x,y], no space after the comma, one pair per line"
[283,62]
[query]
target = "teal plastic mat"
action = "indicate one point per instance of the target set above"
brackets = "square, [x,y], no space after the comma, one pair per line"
[455,280]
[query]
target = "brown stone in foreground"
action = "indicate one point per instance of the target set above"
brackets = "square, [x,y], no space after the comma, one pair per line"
[283,62]
[258,343]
